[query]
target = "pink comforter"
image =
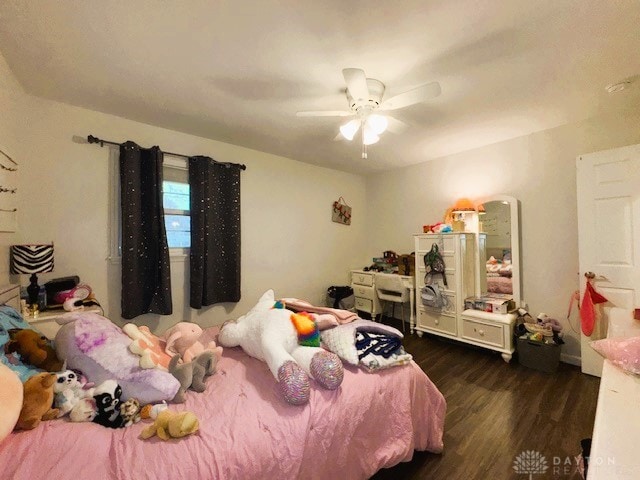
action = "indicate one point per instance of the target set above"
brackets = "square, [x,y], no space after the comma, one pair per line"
[373,420]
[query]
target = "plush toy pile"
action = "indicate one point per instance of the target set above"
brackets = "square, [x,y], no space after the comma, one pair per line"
[96,376]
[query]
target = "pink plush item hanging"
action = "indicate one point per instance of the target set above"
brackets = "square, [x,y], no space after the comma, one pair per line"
[587,309]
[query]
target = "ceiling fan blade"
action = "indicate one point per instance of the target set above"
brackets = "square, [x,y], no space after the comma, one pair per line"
[395,125]
[417,95]
[356,82]
[324,113]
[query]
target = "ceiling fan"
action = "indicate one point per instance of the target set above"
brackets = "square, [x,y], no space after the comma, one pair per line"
[365,99]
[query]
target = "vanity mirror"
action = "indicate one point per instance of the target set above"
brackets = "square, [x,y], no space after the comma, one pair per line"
[499,247]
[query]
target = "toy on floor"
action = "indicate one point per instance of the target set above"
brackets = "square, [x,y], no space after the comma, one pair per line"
[38,398]
[184,338]
[546,321]
[170,424]
[33,349]
[270,335]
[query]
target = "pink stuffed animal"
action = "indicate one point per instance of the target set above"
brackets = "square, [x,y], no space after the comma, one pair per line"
[184,339]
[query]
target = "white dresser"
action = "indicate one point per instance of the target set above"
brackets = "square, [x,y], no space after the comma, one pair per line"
[488,330]
[458,253]
[364,291]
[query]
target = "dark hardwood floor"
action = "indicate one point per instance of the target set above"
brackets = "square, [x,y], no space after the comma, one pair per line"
[495,411]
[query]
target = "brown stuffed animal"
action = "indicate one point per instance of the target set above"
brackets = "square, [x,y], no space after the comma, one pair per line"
[38,398]
[33,348]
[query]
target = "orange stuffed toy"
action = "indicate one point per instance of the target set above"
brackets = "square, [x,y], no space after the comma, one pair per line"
[33,348]
[38,398]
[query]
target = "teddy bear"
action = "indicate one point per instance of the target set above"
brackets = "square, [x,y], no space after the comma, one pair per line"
[33,348]
[186,339]
[274,335]
[192,375]
[169,424]
[38,398]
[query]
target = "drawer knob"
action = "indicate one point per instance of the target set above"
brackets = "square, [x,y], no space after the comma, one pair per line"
[481,332]
[437,322]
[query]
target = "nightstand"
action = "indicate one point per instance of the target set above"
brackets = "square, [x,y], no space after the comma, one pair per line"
[46,322]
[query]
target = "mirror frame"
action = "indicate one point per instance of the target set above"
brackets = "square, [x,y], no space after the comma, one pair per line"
[516,276]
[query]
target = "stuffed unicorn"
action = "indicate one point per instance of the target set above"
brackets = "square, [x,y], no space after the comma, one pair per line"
[270,334]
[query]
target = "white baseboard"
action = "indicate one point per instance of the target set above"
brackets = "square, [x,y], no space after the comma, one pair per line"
[571,359]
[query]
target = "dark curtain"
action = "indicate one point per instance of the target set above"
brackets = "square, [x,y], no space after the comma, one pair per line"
[215,231]
[146,281]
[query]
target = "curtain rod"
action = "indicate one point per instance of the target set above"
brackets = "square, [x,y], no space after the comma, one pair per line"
[92,139]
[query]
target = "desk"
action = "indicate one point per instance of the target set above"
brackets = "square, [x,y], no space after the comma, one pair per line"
[366,297]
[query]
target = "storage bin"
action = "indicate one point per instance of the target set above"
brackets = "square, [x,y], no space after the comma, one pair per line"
[539,356]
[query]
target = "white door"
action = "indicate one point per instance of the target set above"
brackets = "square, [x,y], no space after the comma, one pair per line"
[609,235]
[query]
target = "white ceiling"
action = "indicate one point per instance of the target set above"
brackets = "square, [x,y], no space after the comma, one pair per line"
[237,71]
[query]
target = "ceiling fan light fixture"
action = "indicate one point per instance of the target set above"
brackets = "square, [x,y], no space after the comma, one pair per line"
[369,137]
[349,129]
[377,123]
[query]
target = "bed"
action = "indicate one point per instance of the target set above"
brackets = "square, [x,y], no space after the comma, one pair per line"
[499,271]
[373,421]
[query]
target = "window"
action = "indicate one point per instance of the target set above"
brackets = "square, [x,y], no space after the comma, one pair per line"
[175,196]
[175,200]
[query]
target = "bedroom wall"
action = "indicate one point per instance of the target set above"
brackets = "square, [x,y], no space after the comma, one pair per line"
[538,169]
[288,240]
[7,84]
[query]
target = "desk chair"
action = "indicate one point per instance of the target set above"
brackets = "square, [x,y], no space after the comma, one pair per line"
[391,288]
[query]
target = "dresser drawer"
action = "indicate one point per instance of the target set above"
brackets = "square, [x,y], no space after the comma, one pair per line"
[450,306]
[483,332]
[364,305]
[365,279]
[363,292]
[448,242]
[449,272]
[437,321]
